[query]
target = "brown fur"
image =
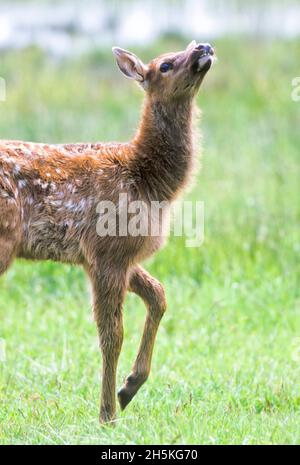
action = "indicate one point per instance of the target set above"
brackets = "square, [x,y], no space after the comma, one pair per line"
[49,194]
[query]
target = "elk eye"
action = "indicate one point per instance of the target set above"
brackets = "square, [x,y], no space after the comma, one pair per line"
[164,67]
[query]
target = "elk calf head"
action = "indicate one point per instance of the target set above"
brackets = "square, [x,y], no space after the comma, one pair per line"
[171,75]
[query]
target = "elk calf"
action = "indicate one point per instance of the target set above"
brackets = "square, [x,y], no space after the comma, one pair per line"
[49,196]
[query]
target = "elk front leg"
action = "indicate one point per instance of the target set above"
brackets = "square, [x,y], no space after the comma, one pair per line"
[108,295]
[152,293]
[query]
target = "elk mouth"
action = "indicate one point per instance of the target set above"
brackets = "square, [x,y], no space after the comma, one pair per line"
[204,62]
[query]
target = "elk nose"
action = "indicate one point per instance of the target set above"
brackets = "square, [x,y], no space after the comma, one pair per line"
[205,48]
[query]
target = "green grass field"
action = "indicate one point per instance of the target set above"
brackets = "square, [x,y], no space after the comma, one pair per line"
[227,360]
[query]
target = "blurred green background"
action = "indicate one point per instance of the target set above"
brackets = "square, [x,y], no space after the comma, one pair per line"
[226,363]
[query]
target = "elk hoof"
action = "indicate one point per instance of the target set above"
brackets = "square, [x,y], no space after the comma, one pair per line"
[125,395]
[130,388]
[106,418]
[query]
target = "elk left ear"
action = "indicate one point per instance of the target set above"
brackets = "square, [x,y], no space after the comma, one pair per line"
[130,65]
[191,45]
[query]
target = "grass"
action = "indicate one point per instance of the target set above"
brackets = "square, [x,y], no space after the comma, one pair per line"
[226,363]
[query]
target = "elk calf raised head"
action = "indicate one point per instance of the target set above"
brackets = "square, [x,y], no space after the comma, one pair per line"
[49,197]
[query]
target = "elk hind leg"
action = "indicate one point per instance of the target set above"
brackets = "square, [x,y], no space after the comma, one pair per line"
[9,234]
[7,252]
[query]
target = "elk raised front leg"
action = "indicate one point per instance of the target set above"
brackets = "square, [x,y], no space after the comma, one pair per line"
[152,293]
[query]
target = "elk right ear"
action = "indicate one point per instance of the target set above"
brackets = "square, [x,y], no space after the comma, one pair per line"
[130,65]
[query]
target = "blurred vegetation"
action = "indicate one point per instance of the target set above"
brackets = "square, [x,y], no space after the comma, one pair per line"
[226,364]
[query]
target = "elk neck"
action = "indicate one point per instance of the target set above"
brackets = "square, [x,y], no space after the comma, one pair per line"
[163,155]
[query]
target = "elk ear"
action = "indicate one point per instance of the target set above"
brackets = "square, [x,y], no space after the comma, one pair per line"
[130,65]
[191,45]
